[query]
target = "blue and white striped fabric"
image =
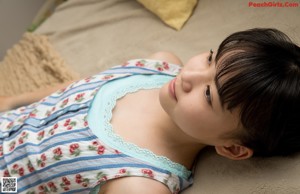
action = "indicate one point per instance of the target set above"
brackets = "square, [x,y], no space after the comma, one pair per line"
[50,148]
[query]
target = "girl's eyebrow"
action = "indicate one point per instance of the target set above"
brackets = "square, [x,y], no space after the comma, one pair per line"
[211,52]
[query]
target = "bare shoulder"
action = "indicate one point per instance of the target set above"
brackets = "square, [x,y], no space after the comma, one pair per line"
[166,56]
[134,185]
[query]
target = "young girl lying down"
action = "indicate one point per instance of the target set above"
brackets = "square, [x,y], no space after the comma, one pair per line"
[138,127]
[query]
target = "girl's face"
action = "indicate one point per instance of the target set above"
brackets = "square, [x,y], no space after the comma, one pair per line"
[192,102]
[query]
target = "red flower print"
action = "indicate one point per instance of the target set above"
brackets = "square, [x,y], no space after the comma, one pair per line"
[148,172]
[22,118]
[40,135]
[80,180]
[1,150]
[41,187]
[30,167]
[104,178]
[55,126]
[17,169]
[140,64]
[69,124]
[57,153]
[64,179]
[12,145]
[43,157]
[9,126]
[74,149]
[20,140]
[66,188]
[41,161]
[32,114]
[15,166]
[52,131]
[79,97]
[107,77]
[95,143]
[74,146]
[87,80]
[43,164]
[52,186]
[64,103]
[78,176]
[160,69]
[100,149]
[21,171]
[85,123]
[96,147]
[48,113]
[101,177]
[122,171]
[11,148]
[166,66]
[65,183]
[61,91]
[24,135]
[6,173]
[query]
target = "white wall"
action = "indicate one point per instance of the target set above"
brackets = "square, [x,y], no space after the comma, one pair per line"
[15,18]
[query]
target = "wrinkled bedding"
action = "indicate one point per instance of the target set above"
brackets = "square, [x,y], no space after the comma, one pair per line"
[92,35]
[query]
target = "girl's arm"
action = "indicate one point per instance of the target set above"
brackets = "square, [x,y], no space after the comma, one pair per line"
[11,102]
[133,185]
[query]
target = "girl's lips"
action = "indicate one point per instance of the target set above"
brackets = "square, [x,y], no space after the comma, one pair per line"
[172,89]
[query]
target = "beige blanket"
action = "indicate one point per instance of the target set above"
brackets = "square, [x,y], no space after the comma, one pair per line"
[95,34]
[31,64]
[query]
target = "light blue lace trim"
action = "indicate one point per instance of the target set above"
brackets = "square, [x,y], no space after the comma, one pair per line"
[107,97]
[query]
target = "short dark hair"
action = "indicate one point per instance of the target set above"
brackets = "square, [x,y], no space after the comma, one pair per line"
[258,72]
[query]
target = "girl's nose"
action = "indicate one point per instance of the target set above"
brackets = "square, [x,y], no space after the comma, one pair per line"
[189,80]
[194,78]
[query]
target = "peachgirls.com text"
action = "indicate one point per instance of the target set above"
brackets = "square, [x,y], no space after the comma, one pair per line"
[273,4]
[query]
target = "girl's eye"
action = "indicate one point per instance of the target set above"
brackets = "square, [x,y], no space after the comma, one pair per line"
[208,95]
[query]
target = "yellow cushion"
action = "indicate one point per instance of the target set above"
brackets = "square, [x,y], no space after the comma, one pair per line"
[173,12]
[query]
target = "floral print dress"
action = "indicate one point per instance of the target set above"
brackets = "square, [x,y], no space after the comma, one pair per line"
[50,147]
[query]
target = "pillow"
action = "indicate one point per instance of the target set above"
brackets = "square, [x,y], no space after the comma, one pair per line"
[173,12]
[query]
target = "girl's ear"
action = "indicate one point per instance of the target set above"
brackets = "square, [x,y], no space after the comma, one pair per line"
[234,152]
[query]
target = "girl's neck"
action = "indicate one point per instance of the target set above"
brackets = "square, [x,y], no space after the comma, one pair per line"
[180,146]
[156,131]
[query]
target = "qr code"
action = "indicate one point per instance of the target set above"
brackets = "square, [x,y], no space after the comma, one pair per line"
[9,185]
